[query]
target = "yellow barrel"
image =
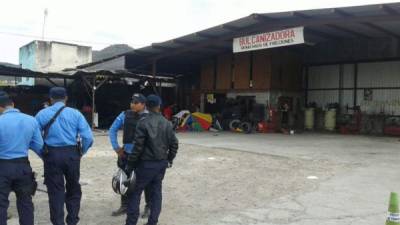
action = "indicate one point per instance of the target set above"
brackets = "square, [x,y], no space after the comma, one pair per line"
[330,119]
[309,118]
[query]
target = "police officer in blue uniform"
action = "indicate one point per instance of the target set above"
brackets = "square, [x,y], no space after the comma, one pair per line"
[63,127]
[128,121]
[155,148]
[18,133]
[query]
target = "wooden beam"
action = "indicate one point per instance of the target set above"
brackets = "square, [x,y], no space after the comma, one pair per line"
[389,10]
[102,82]
[87,82]
[87,88]
[346,30]
[52,82]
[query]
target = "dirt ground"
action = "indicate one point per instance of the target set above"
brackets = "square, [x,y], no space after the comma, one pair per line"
[258,179]
[206,186]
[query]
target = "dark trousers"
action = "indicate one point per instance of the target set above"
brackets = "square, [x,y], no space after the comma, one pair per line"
[16,177]
[124,199]
[62,173]
[148,174]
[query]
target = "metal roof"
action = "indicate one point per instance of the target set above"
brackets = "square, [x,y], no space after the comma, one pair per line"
[368,21]
[75,73]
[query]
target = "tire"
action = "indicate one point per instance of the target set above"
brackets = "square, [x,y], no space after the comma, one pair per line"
[234,124]
[246,127]
[175,123]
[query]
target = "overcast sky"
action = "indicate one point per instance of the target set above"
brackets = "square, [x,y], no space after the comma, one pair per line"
[137,23]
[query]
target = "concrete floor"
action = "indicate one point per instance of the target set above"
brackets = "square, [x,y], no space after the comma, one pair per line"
[356,193]
[258,179]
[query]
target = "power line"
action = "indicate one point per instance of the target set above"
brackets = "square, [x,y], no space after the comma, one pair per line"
[56,39]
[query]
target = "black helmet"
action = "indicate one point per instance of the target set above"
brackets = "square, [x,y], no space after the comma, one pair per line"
[121,183]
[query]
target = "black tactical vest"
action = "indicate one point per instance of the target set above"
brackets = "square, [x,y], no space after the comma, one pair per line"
[131,120]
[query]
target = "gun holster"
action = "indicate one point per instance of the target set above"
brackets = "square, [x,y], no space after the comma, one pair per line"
[34,184]
[79,148]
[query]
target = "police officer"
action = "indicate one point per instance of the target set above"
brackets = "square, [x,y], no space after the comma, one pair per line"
[155,148]
[61,126]
[128,120]
[18,133]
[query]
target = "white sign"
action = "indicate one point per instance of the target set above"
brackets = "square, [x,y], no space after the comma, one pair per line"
[292,36]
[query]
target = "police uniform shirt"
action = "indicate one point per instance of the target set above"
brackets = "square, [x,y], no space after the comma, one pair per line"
[113,133]
[19,133]
[63,132]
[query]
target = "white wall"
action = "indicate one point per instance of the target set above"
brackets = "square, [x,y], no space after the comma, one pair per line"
[54,56]
[323,76]
[68,56]
[377,75]
[380,74]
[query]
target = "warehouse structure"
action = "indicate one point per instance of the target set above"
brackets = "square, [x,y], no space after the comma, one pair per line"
[347,58]
[342,58]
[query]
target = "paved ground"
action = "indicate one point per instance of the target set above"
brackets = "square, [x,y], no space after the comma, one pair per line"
[259,179]
[367,169]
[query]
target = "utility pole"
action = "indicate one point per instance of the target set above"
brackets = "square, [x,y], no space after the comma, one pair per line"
[46,12]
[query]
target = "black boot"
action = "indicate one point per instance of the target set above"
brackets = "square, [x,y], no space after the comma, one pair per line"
[123,208]
[121,211]
[146,212]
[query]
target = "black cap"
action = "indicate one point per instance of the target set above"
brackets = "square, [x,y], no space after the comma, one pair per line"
[153,101]
[58,93]
[4,98]
[137,97]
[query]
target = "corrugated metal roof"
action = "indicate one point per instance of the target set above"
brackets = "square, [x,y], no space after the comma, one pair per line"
[75,73]
[366,21]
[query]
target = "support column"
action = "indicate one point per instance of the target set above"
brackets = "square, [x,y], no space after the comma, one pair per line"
[154,74]
[306,86]
[93,101]
[341,85]
[355,84]
[177,92]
